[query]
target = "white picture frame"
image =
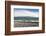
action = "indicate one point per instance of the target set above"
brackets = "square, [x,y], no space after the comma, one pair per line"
[28,28]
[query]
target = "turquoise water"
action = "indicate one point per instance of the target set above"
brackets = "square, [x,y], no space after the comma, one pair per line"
[26,19]
[26,22]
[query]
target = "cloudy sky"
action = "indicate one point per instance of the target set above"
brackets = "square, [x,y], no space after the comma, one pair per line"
[21,12]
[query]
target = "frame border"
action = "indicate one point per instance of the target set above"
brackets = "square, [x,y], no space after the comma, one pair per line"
[8,16]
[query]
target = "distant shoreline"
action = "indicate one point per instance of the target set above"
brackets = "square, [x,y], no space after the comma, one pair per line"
[26,18]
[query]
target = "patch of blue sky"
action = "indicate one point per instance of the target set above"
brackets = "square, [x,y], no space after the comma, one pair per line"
[33,10]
